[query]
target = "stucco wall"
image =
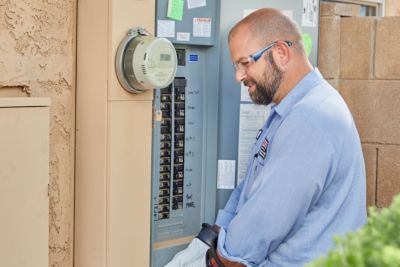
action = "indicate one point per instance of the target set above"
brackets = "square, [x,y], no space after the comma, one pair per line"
[37,58]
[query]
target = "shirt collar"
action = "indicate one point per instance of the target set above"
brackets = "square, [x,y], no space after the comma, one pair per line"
[297,93]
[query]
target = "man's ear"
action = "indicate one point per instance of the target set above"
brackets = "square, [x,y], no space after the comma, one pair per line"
[282,55]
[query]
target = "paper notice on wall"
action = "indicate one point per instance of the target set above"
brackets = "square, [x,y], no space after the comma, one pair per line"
[309,18]
[175,9]
[166,28]
[252,118]
[183,36]
[288,13]
[201,27]
[196,3]
[226,174]
[307,41]
[244,93]
[247,12]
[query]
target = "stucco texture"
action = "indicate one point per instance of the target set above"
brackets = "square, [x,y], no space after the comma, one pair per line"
[37,58]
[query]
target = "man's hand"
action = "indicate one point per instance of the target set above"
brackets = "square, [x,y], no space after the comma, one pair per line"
[189,256]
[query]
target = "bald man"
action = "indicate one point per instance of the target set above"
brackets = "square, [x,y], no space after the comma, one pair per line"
[305,181]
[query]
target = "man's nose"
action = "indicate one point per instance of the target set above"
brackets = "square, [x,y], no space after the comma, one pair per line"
[240,75]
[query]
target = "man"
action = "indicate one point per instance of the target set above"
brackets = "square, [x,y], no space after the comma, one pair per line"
[305,181]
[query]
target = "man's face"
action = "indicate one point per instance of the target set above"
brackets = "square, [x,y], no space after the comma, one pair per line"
[263,77]
[267,85]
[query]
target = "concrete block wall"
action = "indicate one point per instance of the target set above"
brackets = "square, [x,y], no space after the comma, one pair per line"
[392,8]
[361,56]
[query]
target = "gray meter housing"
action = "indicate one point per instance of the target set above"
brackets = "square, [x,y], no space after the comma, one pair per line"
[145,62]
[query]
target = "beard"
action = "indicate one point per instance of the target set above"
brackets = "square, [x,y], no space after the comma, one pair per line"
[269,85]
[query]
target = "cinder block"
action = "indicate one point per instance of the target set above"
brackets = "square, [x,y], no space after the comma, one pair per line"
[392,8]
[334,83]
[336,9]
[375,108]
[370,157]
[329,47]
[357,48]
[387,52]
[388,174]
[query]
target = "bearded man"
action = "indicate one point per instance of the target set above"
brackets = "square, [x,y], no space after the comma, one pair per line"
[305,181]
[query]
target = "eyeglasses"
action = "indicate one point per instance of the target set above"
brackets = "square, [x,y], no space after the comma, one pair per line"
[244,62]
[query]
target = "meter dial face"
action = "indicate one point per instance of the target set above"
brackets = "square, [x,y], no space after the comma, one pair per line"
[160,62]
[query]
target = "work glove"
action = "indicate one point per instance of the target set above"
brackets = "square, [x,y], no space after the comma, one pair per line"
[200,262]
[192,256]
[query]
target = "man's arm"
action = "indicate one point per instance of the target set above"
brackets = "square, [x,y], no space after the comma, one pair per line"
[226,215]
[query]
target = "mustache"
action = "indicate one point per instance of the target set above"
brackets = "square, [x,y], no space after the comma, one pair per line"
[248,83]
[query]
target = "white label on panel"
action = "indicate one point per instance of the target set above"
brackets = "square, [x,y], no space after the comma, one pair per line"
[166,28]
[288,13]
[309,17]
[183,36]
[226,174]
[201,27]
[196,3]
[252,118]
[247,12]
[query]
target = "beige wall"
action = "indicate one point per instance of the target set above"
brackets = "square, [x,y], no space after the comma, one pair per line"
[113,141]
[361,56]
[37,58]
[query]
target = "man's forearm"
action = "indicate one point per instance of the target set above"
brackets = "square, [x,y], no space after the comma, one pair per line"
[228,263]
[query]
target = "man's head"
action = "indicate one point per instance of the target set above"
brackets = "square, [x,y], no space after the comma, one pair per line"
[268,54]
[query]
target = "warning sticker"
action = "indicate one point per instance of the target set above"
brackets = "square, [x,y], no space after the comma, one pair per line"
[201,27]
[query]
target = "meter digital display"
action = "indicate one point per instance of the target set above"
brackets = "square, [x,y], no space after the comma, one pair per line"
[165,57]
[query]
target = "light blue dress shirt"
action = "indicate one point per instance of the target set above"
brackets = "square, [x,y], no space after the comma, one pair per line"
[305,182]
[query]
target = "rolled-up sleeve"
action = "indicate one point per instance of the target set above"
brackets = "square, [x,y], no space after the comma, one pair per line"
[226,215]
[298,161]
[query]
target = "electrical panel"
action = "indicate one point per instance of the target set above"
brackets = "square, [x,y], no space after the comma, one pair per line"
[184,165]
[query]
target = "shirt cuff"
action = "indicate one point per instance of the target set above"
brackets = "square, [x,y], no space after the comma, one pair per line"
[223,218]
[224,253]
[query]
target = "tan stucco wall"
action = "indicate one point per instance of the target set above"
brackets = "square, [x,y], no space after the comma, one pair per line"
[37,58]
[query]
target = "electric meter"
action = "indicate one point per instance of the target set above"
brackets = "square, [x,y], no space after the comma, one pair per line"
[145,62]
